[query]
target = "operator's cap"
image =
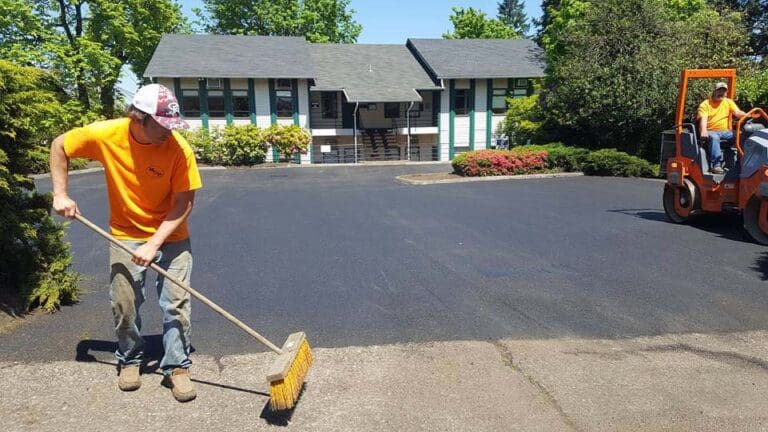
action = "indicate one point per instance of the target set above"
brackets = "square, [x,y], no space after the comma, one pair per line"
[721,85]
[159,102]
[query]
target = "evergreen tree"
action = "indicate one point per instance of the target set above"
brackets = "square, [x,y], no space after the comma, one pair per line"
[512,13]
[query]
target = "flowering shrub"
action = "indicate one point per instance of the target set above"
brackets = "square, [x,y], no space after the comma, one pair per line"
[483,163]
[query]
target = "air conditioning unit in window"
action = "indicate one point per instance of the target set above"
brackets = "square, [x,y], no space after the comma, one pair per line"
[213,83]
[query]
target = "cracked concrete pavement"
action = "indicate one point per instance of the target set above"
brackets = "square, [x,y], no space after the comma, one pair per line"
[691,382]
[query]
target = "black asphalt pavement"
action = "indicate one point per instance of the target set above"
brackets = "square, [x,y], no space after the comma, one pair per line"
[353,257]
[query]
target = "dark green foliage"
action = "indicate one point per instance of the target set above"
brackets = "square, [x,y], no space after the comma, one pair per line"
[471,23]
[609,162]
[512,13]
[34,259]
[613,79]
[560,157]
[319,21]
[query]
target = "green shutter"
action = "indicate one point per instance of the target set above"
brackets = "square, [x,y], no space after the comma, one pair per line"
[488,113]
[228,102]
[436,97]
[452,106]
[471,114]
[178,93]
[273,114]
[295,98]
[309,118]
[252,100]
[203,90]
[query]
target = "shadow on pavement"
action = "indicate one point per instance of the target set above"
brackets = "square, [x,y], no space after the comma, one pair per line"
[761,266]
[153,353]
[725,225]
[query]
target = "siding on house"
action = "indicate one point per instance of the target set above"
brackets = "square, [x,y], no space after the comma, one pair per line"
[481,113]
[445,111]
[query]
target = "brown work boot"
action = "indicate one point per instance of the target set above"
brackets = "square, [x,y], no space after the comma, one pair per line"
[181,385]
[130,379]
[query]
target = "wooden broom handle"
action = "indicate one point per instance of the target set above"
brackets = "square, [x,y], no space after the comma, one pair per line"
[182,285]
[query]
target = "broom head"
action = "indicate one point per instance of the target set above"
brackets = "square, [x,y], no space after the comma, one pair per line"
[286,375]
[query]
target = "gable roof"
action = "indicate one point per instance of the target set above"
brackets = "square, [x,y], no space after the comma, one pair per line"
[196,56]
[479,58]
[369,73]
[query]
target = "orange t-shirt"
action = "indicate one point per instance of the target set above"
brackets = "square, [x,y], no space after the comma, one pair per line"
[718,114]
[141,178]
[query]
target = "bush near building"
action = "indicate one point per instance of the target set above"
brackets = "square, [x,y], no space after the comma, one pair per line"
[483,163]
[247,144]
[553,157]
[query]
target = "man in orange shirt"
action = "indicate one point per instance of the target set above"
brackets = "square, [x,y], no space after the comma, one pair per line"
[715,123]
[151,177]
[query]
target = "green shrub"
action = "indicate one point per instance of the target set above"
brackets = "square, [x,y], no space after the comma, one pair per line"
[609,162]
[560,157]
[483,163]
[289,140]
[34,259]
[243,145]
[522,122]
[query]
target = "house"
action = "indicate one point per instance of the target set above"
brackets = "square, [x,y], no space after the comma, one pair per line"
[427,100]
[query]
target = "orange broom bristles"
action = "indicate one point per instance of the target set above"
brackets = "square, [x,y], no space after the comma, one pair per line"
[283,393]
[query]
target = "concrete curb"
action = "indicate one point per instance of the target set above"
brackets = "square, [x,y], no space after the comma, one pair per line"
[413,179]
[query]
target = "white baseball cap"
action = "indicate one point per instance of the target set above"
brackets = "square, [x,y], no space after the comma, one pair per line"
[159,102]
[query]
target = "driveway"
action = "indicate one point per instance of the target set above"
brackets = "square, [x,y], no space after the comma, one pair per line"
[360,261]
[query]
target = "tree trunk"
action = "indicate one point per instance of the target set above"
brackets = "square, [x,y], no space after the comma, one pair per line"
[107,97]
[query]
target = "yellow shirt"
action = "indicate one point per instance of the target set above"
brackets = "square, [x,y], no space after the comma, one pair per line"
[141,178]
[718,113]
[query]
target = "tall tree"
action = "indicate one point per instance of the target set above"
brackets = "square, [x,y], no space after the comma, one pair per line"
[34,259]
[614,82]
[319,21]
[755,14]
[471,23]
[86,43]
[512,13]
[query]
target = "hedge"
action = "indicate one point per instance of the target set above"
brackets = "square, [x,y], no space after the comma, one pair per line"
[483,163]
[556,157]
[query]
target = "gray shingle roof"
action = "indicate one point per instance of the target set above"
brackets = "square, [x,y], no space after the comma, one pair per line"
[479,58]
[230,57]
[370,73]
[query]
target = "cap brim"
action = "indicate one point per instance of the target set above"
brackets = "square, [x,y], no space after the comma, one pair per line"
[171,123]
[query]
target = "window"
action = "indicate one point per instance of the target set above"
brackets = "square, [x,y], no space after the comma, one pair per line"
[418,107]
[521,88]
[499,101]
[283,84]
[391,110]
[329,102]
[240,103]
[461,103]
[216,103]
[284,103]
[190,102]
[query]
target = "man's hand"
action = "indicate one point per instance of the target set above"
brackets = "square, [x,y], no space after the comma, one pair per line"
[704,134]
[145,254]
[65,206]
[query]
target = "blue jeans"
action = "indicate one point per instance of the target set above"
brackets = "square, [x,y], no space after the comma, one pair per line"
[715,153]
[126,293]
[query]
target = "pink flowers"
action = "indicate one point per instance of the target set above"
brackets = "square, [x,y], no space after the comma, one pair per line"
[499,162]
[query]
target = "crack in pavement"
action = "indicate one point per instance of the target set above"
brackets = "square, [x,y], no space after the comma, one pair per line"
[509,361]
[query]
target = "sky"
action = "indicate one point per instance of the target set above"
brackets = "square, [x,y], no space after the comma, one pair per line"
[391,21]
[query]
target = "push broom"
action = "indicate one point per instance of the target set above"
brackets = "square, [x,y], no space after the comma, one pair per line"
[286,374]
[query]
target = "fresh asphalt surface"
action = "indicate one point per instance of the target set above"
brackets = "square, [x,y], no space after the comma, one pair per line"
[353,257]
